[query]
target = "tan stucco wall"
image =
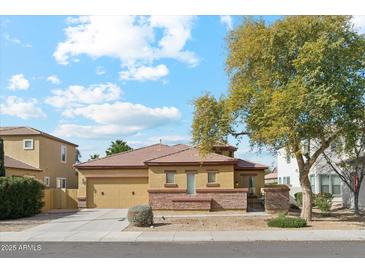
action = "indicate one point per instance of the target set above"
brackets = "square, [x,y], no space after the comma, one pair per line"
[50,162]
[23,172]
[46,155]
[13,147]
[259,174]
[157,177]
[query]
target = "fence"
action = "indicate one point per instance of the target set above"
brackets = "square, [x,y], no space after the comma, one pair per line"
[59,198]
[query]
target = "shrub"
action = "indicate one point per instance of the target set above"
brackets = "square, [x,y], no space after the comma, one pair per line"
[298,198]
[140,215]
[287,222]
[323,201]
[20,197]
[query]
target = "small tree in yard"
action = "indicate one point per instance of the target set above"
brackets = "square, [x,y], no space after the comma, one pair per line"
[348,162]
[298,79]
[117,146]
[2,159]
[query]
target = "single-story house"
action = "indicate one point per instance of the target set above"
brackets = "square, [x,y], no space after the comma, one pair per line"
[170,178]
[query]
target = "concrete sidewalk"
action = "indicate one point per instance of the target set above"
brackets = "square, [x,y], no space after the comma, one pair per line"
[185,236]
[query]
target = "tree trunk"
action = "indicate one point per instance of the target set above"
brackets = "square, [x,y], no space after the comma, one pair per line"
[307,197]
[356,202]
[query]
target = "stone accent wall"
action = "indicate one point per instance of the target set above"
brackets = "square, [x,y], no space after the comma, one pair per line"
[218,199]
[192,204]
[276,199]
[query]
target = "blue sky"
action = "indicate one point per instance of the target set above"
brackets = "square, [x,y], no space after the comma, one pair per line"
[91,80]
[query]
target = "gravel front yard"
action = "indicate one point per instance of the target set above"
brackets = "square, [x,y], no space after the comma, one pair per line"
[339,219]
[25,223]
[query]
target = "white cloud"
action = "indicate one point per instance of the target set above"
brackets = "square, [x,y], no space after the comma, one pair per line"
[136,41]
[15,40]
[93,131]
[21,108]
[18,81]
[126,114]
[79,95]
[143,73]
[54,79]
[119,118]
[359,22]
[227,21]
[100,70]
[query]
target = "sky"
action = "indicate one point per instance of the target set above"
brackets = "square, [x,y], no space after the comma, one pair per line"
[94,79]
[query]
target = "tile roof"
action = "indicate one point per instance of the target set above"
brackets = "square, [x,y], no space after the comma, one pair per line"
[272,175]
[159,154]
[13,163]
[20,131]
[133,158]
[243,164]
[191,155]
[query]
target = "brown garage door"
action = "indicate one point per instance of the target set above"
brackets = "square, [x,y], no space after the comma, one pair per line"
[116,192]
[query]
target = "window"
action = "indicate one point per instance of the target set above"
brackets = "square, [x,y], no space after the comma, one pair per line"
[336,184]
[312,179]
[63,154]
[280,180]
[170,177]
[28,144]
[324,181]
[288,158]
[61,183]
[212,177]
[47,180]
[252,185]
[286,180]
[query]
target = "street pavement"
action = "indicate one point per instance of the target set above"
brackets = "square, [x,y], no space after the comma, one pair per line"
[106,225]
[257,249]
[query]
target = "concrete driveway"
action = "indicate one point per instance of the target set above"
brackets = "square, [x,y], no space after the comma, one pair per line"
[83,225]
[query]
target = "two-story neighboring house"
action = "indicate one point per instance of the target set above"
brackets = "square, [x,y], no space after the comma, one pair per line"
[321,176]
[31,152]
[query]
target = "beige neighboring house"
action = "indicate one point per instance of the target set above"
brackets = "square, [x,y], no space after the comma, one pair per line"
[31,152]
[170,178]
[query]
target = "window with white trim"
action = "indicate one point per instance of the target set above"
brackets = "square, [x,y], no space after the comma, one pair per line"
[63,154]
[61,182]
[28,144]
[324,180]
[212,177]
[286,180]
[288,158]
[47,180]
[170,177]
[336,184]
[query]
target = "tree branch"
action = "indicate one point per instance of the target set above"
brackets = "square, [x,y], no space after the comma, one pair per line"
[236,134]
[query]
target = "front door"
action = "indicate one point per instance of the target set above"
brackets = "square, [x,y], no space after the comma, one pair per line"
[190,184]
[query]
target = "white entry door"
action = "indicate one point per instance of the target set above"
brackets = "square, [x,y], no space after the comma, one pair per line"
[190,184]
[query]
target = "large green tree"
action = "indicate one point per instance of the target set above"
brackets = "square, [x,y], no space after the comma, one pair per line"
[117,146]
[298,79]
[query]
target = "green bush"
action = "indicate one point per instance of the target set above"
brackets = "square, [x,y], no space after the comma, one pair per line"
[140,215]
[323,201]
[287,222]
[298,198]
[20,197]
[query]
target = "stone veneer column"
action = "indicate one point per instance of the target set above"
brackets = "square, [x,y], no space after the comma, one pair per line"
[276,199]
